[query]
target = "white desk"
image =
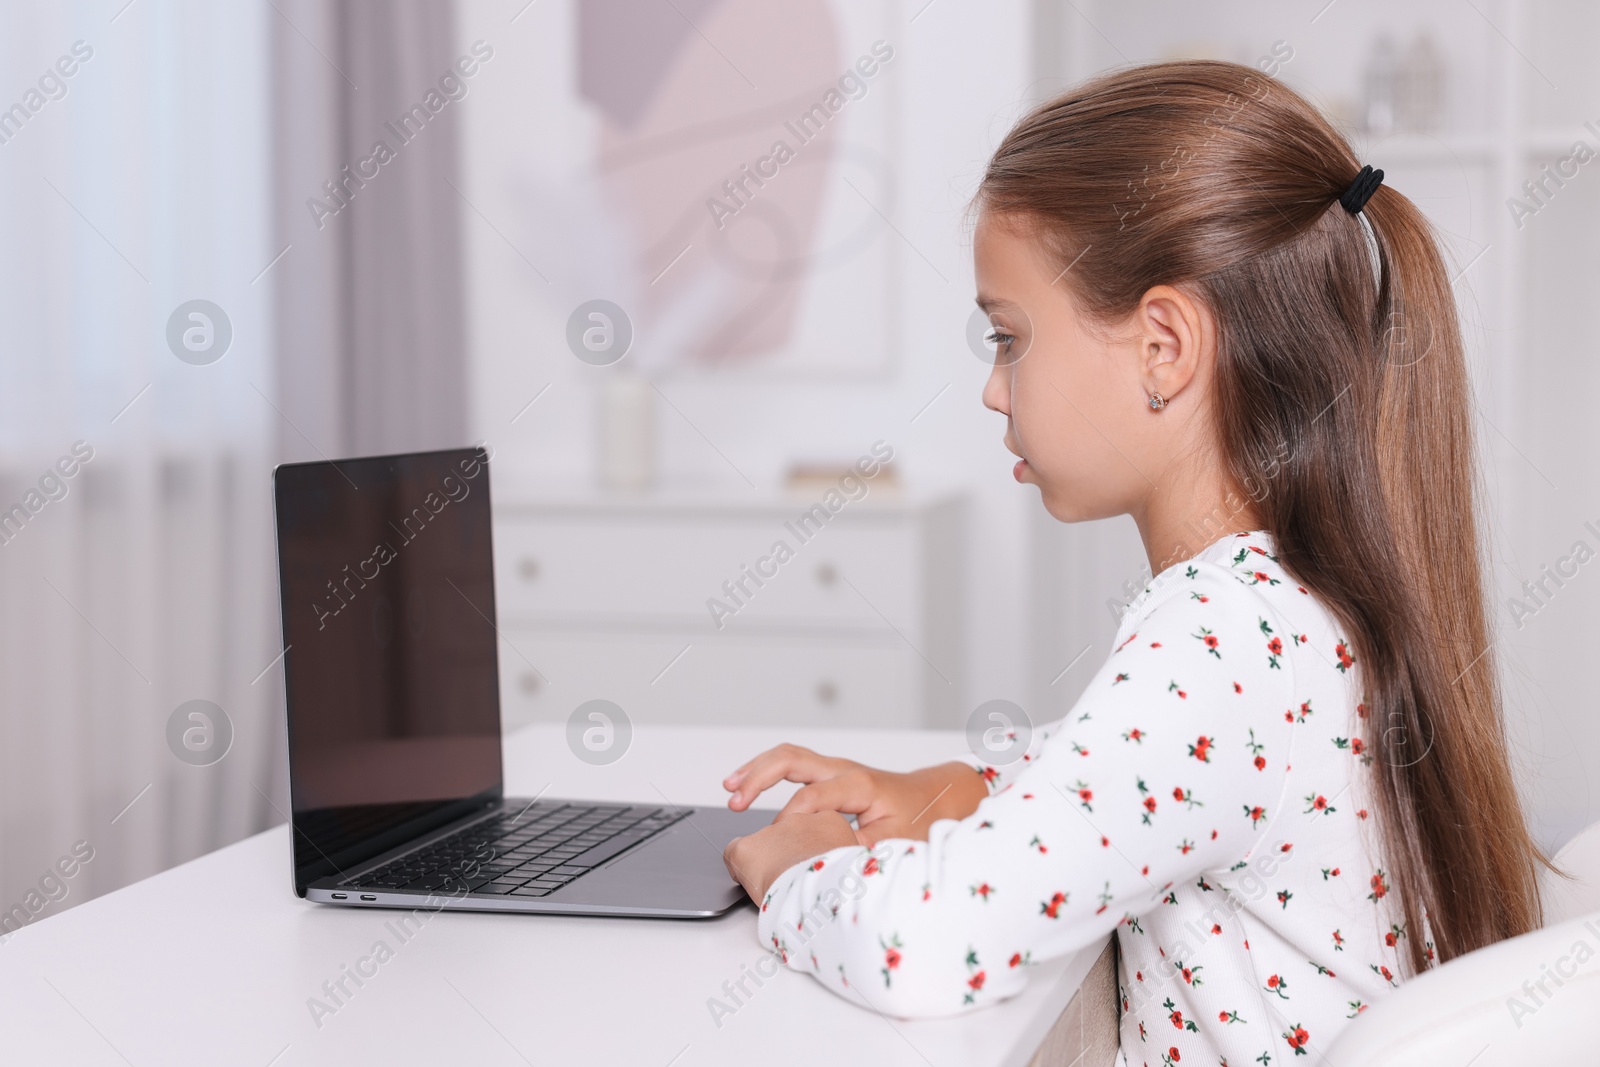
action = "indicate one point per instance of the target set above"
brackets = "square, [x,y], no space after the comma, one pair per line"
[213,962]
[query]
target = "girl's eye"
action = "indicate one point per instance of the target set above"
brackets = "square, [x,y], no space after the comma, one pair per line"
[997,337]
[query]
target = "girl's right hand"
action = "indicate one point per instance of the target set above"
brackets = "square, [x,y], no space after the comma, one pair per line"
[886,804]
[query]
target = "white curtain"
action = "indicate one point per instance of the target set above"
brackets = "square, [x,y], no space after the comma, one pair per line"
[141,181]
[370,320]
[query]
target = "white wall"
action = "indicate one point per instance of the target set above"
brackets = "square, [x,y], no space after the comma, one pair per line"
[958,92]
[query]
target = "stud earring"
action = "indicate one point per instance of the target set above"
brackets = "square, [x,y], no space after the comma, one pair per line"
[1157,401]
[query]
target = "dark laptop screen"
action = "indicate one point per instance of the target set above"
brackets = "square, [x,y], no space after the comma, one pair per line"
[387,585]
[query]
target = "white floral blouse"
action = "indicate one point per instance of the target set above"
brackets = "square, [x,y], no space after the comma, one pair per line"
[1202,799]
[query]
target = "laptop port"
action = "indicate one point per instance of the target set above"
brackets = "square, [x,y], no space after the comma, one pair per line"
[369,896]
[340,896]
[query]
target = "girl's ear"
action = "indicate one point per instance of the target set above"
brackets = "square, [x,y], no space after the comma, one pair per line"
[1172,331]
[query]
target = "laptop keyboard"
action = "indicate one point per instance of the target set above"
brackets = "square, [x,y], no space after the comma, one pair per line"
[531,853]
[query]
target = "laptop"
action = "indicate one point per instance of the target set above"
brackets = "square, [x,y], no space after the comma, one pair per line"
[386,574]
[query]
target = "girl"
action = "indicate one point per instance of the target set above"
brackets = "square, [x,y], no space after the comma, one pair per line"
[1287,787]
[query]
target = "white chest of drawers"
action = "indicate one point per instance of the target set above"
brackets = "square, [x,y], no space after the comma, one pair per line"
[858,623]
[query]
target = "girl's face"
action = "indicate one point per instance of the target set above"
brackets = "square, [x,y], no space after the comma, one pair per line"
[1076,401]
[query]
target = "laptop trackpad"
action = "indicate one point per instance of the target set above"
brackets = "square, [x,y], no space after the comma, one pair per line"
[679,869]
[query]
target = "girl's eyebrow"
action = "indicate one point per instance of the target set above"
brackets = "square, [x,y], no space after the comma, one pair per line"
[994,303]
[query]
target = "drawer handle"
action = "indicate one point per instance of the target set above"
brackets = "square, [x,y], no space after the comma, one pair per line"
[528,568]
[827,574]
[827,692]
[529,682]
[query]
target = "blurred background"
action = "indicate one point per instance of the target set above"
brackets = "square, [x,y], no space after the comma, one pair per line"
[681,265]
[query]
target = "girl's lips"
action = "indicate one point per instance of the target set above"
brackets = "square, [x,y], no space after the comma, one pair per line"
[1016,471]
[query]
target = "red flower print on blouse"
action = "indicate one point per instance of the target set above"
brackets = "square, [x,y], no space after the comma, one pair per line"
[1346,660]
[1257,748]
[975,982]
[1297,1037]
[891,957]
[1052,909]
[1177,1018]
[1256,814]
[982,889]
[1201,749]
[1380,888]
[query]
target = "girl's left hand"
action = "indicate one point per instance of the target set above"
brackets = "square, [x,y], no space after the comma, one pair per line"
[756,860]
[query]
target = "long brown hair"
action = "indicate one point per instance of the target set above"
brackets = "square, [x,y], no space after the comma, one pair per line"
[1216,178]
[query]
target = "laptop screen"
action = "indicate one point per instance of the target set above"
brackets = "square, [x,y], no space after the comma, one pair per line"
[387,582]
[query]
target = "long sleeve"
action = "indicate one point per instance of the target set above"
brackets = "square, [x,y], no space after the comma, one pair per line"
[1171,764]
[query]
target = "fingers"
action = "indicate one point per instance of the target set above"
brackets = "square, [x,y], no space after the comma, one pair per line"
[851,792]
[784,763]
[729,852]
[755,861]
[781,752]
[732,781]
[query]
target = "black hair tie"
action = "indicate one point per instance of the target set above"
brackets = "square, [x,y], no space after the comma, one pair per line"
[1362,186]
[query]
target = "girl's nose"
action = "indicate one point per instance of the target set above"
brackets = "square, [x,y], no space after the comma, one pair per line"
[997,390]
